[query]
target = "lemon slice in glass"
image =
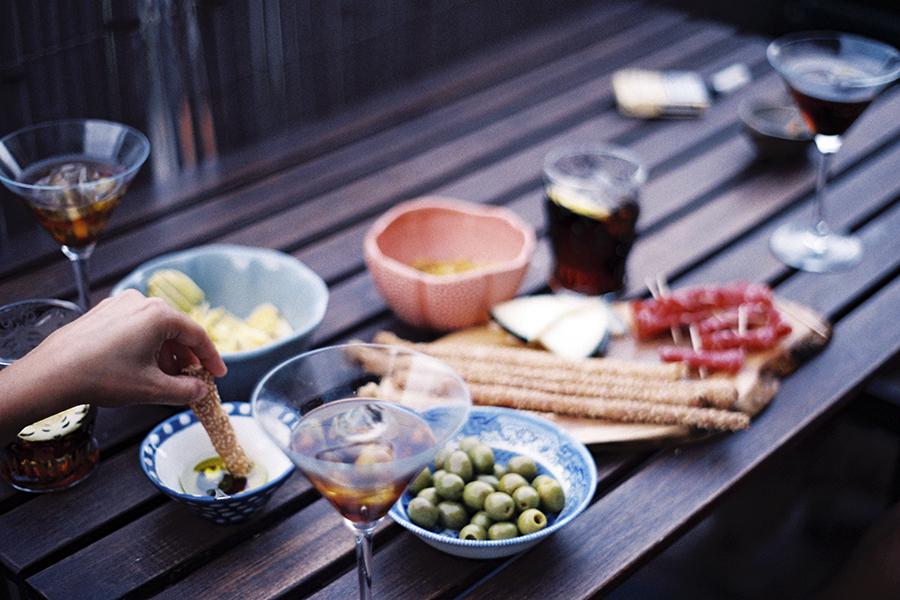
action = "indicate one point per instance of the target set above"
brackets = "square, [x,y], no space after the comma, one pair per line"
[56,426]
[577,203]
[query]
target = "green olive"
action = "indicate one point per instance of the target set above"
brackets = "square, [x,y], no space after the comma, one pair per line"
[537,481]
[499,506]
[511,481]
[526,497]
[458,463]
[531,520]
[441,456]
[430,494]
[490,480]
[474,494]
[523,465]
[482,458]
[468,443]
[422,512]
[422,481]
[473,532]
[502,531]
[553,498]
[436,476]
[452,515]
[450,486]
[499,470]
[481,518]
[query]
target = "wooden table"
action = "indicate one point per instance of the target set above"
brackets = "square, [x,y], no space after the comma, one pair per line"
[477,130]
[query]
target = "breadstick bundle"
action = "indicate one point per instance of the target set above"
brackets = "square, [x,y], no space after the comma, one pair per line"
[619,390]
[217,424]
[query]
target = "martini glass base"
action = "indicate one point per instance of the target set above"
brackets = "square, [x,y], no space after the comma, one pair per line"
[807,249]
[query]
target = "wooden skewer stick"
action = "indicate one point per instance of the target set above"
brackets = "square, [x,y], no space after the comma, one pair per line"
[659,289]
[697,344]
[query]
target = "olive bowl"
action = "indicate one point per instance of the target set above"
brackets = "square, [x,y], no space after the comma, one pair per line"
[179,443]
[511,432]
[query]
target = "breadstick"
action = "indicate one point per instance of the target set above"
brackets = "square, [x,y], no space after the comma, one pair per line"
[527,357]
[720,393]
[614,410]
[210,414]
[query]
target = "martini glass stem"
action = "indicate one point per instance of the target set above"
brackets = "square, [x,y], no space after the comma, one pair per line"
[79,259]
[827,146]
[364,533]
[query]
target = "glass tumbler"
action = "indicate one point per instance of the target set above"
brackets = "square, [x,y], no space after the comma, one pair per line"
[591,206]
[61,450]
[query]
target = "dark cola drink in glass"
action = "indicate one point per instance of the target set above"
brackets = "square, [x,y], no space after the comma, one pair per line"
[591,204]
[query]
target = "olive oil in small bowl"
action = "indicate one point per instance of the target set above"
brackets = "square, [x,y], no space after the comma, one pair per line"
[180,460]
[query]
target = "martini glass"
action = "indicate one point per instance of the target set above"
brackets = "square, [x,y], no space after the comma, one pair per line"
[70,175]
[361,421]
[833,77]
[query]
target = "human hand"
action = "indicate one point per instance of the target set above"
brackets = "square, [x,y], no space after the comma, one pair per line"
[127,349]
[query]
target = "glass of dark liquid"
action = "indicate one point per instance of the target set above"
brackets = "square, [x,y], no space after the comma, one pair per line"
[833,77]
[70,175]
[59,451]
[591,204]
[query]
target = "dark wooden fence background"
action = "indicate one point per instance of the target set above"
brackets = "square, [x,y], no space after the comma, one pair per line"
[207,77]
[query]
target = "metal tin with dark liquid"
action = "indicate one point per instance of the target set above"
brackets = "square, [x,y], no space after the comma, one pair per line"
[591,205]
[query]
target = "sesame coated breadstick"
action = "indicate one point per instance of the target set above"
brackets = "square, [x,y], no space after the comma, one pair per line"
[636,380]
[217,424]
[489,387]
[718,393]
[527,357]
[622,410]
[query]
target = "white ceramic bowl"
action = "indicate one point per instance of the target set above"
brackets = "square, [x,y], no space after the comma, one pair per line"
[180,442]
[445,229]
[509,432]
[240,278]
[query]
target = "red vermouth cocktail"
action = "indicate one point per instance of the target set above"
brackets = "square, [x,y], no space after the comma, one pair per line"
[70,175]
[361,421]
[833,77]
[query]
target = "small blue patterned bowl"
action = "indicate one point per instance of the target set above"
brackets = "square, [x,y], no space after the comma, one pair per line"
[180,442]
[509,432]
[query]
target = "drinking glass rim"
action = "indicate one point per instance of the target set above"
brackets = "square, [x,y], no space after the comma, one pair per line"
[255,400]
[776,45]
[37,303]
[128,172]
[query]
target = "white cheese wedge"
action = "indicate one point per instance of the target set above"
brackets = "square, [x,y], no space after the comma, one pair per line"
[565,324]
[579,334]
[527,317]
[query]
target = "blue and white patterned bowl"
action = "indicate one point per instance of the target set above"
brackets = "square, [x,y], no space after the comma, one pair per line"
[180,442]
[509,432]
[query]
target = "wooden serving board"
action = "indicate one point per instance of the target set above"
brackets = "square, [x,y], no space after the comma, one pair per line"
[757,382]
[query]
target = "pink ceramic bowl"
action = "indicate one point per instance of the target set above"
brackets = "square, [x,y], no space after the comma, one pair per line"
[446,230]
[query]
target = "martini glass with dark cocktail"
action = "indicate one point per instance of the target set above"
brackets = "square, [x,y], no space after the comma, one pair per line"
[833,78]
[361,421]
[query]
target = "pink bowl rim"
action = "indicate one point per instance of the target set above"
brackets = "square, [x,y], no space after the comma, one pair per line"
[521,260]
